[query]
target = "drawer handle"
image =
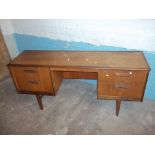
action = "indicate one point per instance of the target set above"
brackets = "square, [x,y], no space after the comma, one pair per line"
[33,82]
[123,74]
[121,85]
[29,71]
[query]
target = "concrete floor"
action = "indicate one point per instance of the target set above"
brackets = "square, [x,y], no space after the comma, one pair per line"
[75,110]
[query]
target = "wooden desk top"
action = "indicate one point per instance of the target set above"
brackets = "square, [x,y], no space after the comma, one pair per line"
[93,59]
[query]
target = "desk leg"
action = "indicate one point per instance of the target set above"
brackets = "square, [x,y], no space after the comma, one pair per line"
[39,99]
[118,104]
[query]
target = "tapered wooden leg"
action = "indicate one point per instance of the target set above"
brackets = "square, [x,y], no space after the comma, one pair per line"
[39,99]
[118,104]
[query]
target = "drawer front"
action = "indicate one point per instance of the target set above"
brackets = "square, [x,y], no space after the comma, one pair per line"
[123,90]
[123,75]
[32,79]
[26,72]
[125,84]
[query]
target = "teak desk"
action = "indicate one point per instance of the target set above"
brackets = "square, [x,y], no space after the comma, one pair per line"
[120,75]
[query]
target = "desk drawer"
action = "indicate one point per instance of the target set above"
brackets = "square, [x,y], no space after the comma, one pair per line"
[32,79]
[123,90]
[27,72]
[29,85]
[125,84]
[123,75]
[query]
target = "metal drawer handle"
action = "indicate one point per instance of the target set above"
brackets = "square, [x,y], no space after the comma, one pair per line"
[121,85]
[33,82]
[123,74]
[29,71]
